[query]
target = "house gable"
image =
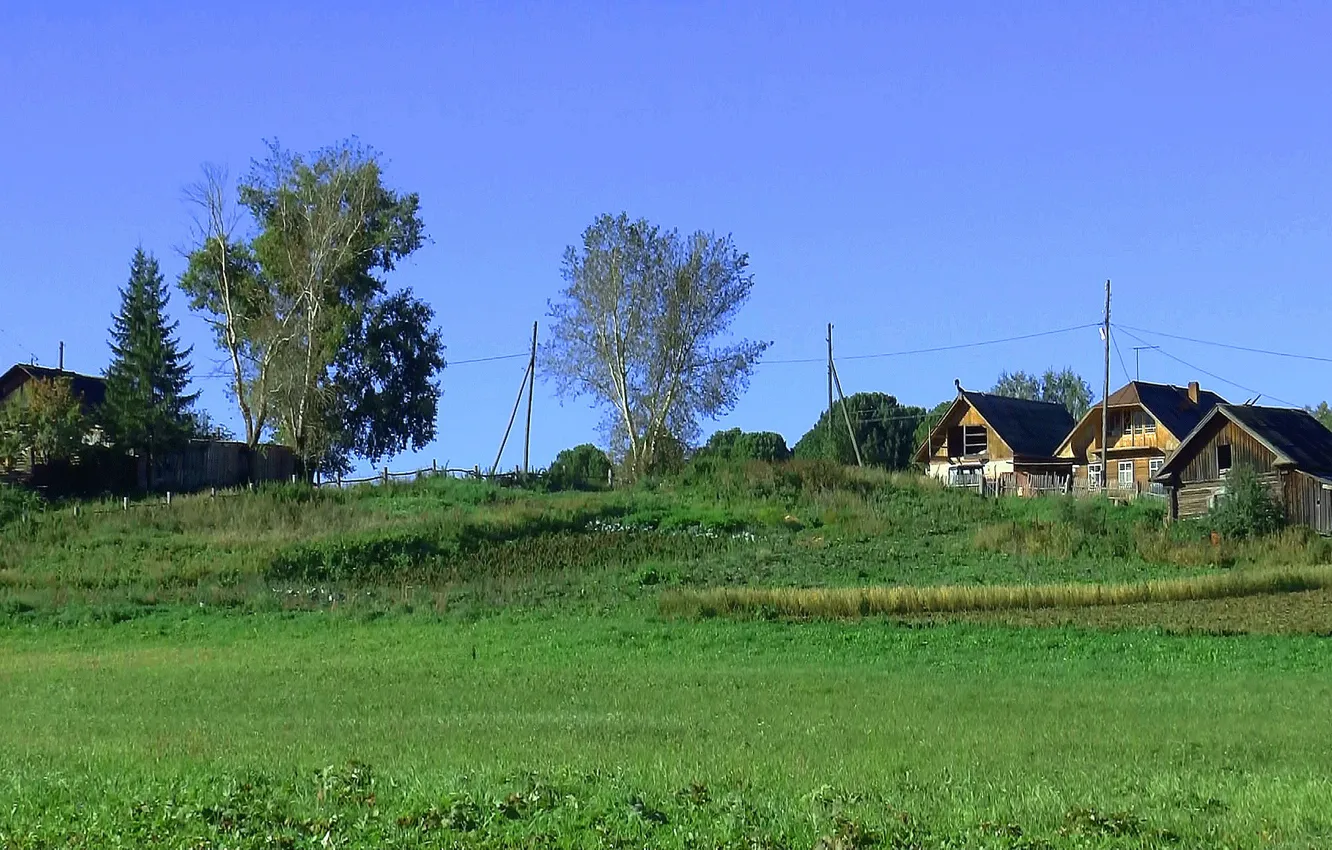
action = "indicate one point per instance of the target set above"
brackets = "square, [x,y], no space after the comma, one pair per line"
[1264,438]
[1151,418]
[1013,428]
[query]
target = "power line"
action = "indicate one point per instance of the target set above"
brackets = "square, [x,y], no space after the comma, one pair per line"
[488,359]
[1231,346]
[934,349]
[1120,355]
[1213,374]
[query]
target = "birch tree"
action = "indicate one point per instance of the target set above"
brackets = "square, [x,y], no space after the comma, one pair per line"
[641,327]
[226,287]
[325,231]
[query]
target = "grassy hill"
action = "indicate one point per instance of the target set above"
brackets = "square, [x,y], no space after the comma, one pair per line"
[462,548]
[453,664]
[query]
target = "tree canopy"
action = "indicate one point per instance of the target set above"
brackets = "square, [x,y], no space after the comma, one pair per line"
[1064,387]
[47,421]
[1323,414]
[640,327]
[147,409]
[319,351]
[735,444]
[885,432]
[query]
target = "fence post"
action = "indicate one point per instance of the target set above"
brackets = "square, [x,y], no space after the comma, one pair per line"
[212,492]
[434,467]
[339,479]
[168,498]
[386,476]
[124,503]
[76,510]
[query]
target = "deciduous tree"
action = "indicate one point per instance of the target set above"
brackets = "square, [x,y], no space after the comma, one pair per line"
[640,327]
[1064,387]
[313,336]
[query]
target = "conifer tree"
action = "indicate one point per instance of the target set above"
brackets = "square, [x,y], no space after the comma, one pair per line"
[147,409]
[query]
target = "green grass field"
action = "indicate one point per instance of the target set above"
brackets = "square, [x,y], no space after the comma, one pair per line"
[451,665]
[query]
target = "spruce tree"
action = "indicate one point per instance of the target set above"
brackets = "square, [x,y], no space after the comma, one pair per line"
[147,408]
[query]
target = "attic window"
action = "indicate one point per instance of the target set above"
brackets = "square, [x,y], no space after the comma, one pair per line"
[1223,458]
[975,440]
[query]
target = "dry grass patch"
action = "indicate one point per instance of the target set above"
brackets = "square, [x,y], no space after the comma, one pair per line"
[852,602]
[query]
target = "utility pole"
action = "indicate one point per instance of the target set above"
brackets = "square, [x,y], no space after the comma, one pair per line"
[62,356]
[847,416]
[830,386]
[1105,397]
[531,383]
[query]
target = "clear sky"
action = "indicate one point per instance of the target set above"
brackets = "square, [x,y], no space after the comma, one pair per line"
[918,176]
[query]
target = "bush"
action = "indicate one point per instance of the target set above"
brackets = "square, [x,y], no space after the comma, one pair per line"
[15,502]
[584,467]
[735,445]
[1247,509]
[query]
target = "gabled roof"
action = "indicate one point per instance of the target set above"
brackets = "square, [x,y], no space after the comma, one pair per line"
[1168,404]
[91,389]
[1029,428]
[1296,438]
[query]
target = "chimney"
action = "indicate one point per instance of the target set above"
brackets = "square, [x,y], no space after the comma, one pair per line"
[1193,391]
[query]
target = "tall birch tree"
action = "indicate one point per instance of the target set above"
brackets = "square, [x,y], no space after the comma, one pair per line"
[641,327]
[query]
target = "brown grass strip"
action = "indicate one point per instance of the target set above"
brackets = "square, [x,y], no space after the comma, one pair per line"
[853,602]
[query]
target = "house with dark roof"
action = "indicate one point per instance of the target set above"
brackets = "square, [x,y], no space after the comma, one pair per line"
[998,444]
[17,382]
[89,389]
[1289,449]
[1146,423]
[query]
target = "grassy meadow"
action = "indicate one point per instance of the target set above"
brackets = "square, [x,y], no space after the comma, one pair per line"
[451,664]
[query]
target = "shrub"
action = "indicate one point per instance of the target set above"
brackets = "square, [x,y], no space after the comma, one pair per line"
[1247,509]
[15,502]
[735,445]
[584,467]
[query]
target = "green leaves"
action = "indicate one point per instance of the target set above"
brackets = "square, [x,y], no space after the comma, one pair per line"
[639,326]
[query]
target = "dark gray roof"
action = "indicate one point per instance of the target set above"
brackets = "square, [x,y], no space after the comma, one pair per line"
[1172,408]
[91,389]
[1296,438]
[1293,433]
[1029,428]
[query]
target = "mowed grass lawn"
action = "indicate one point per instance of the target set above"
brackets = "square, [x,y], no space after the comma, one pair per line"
[553,730]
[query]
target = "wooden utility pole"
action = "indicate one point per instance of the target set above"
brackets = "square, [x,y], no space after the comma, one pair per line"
[531,384]
[847,416]
[830,383]
[1105,398]
[517,403]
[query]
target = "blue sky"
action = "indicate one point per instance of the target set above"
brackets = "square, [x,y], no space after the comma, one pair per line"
[919,176]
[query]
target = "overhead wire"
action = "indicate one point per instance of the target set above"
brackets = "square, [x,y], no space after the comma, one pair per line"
[1226,381]
[934,349]
[1228,345]
[1120,355]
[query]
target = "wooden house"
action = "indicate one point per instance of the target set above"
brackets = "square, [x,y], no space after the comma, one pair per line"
[1147,422]
[1289,449]
[90,390]
[16,383]
[998,444]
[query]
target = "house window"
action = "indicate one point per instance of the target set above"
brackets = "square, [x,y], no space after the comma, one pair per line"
[1154,466]
[1094,476]
[1125,424]
[975,439]
[1223,458]
[1125,474]
[1149,426]
[1137,423]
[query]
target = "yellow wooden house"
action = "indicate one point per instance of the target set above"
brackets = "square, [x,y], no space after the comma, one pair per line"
[1147,422]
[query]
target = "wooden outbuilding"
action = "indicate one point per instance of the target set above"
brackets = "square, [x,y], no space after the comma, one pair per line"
[1146,423]
[998,444]
[1289,449]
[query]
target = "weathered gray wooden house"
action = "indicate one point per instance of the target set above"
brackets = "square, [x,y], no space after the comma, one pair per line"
[1289,449]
